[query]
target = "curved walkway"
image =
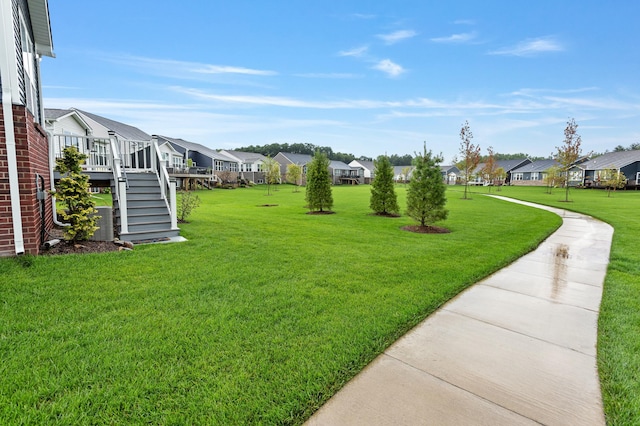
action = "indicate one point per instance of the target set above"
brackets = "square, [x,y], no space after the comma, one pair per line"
[517,348]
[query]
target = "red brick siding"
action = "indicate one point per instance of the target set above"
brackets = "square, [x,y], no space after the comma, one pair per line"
[32,154]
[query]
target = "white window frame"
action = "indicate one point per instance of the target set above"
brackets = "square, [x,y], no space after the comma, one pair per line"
[219,166]
[518,176]
[29,67]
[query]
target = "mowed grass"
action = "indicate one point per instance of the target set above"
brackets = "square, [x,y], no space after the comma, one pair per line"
[258,319]
[619,321]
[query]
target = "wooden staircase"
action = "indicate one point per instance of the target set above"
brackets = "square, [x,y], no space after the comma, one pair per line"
[148,215]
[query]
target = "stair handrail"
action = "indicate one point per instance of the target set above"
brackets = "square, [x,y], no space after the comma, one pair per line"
[121,181]
[167,184]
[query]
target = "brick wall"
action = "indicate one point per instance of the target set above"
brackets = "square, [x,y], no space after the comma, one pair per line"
[32,152]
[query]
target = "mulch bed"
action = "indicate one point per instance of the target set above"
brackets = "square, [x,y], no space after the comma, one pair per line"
[418,229]
[268,205]
[67,247]
[386,214]
[321,212]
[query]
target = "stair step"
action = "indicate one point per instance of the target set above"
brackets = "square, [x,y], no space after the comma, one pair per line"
[153,235]
[150,226]
[143,196]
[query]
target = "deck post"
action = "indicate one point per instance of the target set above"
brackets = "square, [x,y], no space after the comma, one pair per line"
[122,199]
[172,204]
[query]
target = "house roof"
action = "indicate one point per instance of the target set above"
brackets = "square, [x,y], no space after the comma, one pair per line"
[397,170]
[536,166]
[193,146]
[53,114]
[365,164]
[41,24]
[245,157]
[612,160]
[339,165]
[448,169]
[124,130]
[299,159]
[507,165]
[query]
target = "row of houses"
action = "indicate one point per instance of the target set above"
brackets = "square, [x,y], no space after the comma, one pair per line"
[585,172]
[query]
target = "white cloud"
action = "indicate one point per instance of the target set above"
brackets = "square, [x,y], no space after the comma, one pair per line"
[362,16]
[455,38]
[531,47]
[397,36]
[328,75]
[356,52]
[390,68]
[223,69]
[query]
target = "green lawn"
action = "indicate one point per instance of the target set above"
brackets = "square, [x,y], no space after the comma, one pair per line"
[619,322]
[259,318]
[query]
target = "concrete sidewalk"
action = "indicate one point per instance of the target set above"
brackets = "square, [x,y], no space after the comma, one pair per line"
[517,348]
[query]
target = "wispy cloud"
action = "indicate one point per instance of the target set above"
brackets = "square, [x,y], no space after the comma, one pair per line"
[390,68]
[397,36]
[355,52]
[455,38]
[223,69]
[464,22]
[531,47]
[181,69]
[328,75]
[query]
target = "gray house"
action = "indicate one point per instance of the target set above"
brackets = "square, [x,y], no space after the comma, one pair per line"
[626,162]
[205,160]
[367,169]
[340,172]
[532,174]
[450,174]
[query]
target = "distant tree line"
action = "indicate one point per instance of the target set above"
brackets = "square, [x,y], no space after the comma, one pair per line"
[273,149]
[633,147]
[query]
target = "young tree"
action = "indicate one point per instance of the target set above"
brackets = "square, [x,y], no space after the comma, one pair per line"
[187,202]
[501,176]
[569,152]
[470,155]
[552,177]
[406,171]
[614,179]
[73,191]
[426,193]
[271,170]
[318,195]
[294,173]
[489,168]
[383,194]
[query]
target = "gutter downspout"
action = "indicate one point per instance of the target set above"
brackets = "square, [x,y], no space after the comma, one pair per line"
[10,138]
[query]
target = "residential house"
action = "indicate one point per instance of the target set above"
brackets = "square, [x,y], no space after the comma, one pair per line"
[626,162]
[402,173]
[532,174]
[250,164]
[340,172]
[143,194]
[478,178]
[25,169]
[450,174]
[286,158]
[367,167]
[203,160]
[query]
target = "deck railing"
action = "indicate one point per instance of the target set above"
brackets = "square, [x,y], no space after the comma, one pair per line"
[120,156]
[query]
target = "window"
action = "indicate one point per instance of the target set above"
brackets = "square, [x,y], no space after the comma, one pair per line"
[575,175]
[219,166]
[233,167]
[535,176]
[29,70]
[177,161]
[518,176]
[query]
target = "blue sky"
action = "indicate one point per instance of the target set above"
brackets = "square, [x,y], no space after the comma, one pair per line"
[364,77]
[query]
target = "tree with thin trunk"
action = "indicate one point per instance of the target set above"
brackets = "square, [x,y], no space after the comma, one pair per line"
[490,166]
[426,194]
[271,170]
[470,155]
[383,195]
[501,176]
[294,173]
[569,153]
[406,171]
[318,195]
[551,178]
[613,179]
